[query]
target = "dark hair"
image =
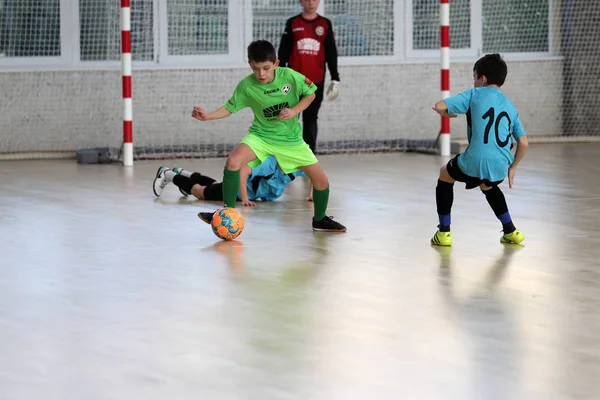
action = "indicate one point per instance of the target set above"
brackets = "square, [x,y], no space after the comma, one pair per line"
[261,51]
[493,67]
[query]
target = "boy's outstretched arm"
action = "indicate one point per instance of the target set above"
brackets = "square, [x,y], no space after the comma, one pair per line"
[244,173]
[523,145]
[442,109]
[201,115]
[288,113]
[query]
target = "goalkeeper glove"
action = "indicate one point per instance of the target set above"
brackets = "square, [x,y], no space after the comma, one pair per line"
[333,90]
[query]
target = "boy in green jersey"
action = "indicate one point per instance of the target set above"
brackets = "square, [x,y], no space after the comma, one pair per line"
[276,97]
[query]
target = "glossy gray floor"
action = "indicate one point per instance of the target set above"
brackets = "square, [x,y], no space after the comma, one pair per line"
[110,293]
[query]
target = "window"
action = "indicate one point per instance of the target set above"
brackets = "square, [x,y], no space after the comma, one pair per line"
[515,26]
[198,27]
[426,24]
[100,30]
[214,33]
[30,28]
[362,28]
[269,17]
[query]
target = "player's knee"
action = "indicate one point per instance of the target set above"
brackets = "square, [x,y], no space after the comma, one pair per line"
[445,176]
[234,163]
[198,191]
[321,183]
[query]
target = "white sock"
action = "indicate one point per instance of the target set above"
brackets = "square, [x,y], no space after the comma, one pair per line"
[169,175]
[185,173]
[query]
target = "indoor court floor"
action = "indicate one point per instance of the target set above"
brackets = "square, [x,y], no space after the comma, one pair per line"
[111,293]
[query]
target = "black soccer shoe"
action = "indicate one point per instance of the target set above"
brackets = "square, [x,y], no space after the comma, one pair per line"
[206,216]
[327,224]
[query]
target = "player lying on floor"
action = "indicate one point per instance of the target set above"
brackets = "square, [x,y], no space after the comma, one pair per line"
[266,182]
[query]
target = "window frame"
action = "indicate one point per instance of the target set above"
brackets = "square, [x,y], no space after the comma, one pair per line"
[397,49]
[455,53]
[66,48]
[235,37]
[553,51]
[112,64]
[240,35]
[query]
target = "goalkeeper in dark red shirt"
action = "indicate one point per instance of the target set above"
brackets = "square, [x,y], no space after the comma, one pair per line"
[306,46]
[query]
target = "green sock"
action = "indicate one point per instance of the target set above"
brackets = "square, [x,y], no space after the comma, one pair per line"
[231,186]
[320,198]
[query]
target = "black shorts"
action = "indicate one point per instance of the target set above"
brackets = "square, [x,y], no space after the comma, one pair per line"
[214,192]
[470,182]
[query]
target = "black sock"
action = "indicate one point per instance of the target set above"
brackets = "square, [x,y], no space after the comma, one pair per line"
[184,183]
[496,200]
[201,180]
[444,197]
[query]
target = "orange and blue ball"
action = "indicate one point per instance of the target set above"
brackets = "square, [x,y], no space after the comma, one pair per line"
[227,223]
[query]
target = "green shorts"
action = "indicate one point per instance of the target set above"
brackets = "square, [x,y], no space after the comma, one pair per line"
[289,158]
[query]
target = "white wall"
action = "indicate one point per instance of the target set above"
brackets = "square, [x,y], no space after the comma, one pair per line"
[67,110]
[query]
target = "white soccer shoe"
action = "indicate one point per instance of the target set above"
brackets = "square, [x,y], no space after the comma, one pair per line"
[160,181]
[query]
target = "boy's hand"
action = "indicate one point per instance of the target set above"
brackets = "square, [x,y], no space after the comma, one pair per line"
[286,113]
[200,114]
[310,194]
[512,171]
[248,203]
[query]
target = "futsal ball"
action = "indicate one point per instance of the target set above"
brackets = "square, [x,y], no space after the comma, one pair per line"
[227,223]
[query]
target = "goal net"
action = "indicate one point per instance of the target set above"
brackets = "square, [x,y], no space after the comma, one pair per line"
[61,79]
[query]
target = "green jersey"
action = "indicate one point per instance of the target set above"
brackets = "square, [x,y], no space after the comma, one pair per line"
[268,100]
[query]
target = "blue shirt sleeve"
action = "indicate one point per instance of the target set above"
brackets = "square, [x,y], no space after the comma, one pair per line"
[517,128]
[459,104]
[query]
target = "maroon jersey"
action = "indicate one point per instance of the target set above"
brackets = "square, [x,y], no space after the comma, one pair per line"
[306,46]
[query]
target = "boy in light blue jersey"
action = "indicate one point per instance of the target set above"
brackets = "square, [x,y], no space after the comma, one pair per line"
[492,123]
[267,182]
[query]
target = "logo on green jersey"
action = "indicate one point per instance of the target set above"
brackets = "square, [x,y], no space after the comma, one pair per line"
[273,111]
[286,88]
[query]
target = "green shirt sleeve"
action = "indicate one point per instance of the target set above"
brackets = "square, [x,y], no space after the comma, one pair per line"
[306,86]
[238,100]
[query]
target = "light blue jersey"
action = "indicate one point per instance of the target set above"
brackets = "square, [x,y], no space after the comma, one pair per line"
[491,120]
[267,182]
